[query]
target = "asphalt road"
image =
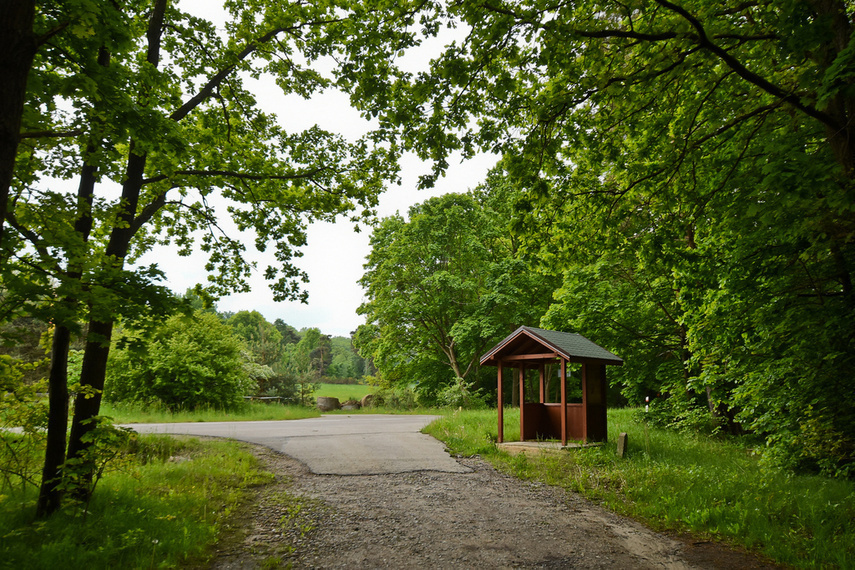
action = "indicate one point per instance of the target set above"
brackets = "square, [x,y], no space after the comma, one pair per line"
[336,444]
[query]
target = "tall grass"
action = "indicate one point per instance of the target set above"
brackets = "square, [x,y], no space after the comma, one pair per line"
[250,411]
[164,509]
[684,482]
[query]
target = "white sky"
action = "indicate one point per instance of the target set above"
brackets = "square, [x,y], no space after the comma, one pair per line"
[335,254]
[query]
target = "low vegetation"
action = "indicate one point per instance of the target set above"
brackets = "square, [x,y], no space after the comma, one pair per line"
[163,505]
[249,411]
[683,482]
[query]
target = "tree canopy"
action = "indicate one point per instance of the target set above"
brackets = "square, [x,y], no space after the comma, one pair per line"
[686,169]
[145,108]
[441,287]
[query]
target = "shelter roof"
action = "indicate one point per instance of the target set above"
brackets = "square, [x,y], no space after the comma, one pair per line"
[529,344]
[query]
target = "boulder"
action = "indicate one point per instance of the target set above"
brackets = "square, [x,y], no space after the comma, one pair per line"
[351,405]
[327,404]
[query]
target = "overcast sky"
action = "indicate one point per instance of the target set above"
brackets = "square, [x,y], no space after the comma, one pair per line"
[335,254]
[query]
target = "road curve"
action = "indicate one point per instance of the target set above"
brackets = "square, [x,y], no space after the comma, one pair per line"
[336,444]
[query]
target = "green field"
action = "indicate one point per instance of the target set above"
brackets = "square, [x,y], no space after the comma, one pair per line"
[344,392]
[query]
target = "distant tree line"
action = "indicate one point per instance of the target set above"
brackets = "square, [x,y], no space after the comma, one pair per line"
[201,357]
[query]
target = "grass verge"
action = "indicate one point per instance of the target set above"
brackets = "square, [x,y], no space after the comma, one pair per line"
[686,483]
[164,510]
[250,411]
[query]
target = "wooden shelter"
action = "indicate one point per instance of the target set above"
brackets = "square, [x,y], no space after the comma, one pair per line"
[531,348]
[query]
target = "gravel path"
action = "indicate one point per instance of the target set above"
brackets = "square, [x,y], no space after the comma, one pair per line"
[430,519]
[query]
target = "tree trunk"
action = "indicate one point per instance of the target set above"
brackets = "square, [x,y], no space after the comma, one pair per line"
[50,497]
[87,404]
[17,48]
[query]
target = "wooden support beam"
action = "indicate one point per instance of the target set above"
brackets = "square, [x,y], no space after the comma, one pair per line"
[501,434]
[540,356]
[522,403]
[585,403]
[563,402]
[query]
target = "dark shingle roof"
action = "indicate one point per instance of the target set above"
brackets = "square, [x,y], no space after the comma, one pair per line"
[571,346]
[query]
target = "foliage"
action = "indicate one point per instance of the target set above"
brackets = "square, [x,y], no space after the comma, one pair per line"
[441,288]
[462,395]
[345,364]
[713,488]
[24,340]
[145,110]
[168,508]
[261,337]
[21,408]
[685,170]
[106,451]
[396,398]
[190,361]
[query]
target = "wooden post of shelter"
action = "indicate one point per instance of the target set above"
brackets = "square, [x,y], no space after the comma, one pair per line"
[501,434]
[522,400]
[563,402]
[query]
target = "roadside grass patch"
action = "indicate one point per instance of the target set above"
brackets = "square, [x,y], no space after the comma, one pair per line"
[164,509]
[249,411]
[713,488]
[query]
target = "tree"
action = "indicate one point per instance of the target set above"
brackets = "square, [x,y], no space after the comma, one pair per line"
[289,333]
[191,361]
[261,337]
[345,362]
[714,137]
[172,137]
[18,47]
[441,288]
[301,366]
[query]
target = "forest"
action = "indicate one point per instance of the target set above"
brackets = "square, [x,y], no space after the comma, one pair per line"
[675,184]
[674,180]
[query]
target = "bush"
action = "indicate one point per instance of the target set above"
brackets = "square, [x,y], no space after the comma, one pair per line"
[190,361]
[461,394]
[395,398]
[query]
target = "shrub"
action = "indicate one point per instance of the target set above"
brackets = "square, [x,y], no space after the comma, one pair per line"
[190,361]
[461,394]
[395,398]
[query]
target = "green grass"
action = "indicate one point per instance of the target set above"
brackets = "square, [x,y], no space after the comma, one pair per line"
[712,488]
[255,411]
[164,509]
[344,392]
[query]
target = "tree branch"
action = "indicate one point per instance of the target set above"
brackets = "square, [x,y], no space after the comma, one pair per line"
[239,175]
[51,134]
[743,72]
